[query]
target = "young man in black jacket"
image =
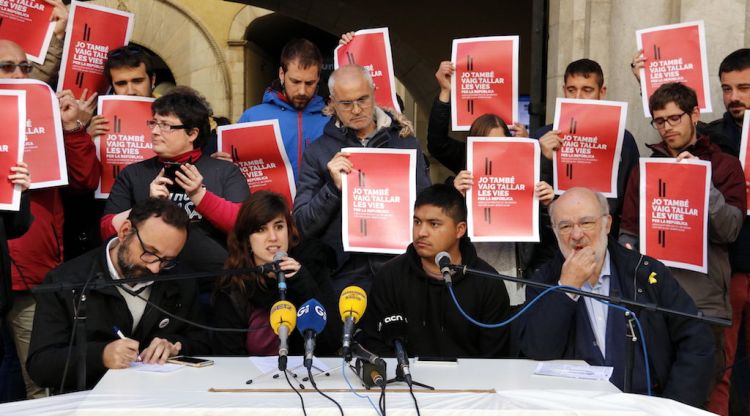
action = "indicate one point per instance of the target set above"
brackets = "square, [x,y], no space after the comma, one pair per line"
[412,286]
[147,244]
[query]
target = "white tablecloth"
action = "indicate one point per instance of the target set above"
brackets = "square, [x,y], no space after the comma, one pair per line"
[186,392]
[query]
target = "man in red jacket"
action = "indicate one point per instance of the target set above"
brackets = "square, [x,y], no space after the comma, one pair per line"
[40,249]
[675,113]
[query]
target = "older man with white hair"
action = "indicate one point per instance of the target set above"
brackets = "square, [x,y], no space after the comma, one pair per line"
[356,122]
[560,325]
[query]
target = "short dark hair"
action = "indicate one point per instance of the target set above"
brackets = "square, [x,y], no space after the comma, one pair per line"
[483,124]
[169,212]
[585,68]
[676,92]
[735,61]
[190,107]
[130,56]
[445,197]
[304,52]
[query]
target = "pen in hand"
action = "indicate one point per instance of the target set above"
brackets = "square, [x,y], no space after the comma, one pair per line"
[119,333]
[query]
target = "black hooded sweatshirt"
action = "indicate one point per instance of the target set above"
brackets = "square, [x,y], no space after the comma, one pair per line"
[435,326]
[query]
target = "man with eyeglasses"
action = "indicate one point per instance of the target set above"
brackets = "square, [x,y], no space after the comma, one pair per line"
[675,113]
[40,249]
[183,174]
[356,122]
[293,101]
[566,326]
[148,314]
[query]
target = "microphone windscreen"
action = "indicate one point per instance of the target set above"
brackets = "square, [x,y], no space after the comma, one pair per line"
[353,302]
[282,312]
[279,255]
[443,259]
[393,327]
[311,315]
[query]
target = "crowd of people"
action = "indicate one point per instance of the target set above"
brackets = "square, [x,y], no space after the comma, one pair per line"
[205,219]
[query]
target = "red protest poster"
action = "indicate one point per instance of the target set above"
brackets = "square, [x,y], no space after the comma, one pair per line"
[26,22]
[128,140]
[486,79]
[44,149]
[258,150]
[744,153]
[674,211]
[592,134]
[371,48]
[13,120]
[501,201]
[675,53]
[378,200]
[92,32]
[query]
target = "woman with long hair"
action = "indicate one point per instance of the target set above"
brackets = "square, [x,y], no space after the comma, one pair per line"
[263,228]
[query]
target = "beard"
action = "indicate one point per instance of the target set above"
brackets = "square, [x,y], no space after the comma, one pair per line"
[299,102]
[130,269]
[737,110]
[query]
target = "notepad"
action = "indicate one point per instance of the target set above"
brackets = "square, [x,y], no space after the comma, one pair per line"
[585,372]
[155,368]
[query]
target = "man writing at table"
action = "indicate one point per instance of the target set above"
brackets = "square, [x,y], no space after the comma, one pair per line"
[564,326]
[146,245]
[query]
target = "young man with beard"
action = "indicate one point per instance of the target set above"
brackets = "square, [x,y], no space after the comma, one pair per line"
[564,326]
[293,100]
[412,285]
[675,113]
[146,245]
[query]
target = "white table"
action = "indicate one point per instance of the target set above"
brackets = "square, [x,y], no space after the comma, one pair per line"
[186,392]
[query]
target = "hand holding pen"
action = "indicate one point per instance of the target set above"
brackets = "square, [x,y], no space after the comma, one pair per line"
[120,353]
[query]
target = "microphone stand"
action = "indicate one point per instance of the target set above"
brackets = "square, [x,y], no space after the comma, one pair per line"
[631,337]
[400,378]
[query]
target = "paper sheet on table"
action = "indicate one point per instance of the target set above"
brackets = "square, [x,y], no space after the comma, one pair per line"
[269,364]
[585,372]
[155,368]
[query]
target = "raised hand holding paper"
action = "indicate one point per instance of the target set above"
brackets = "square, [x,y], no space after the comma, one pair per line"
[378,200]
[485,81]
[371,48]
[258,150]
[501,201]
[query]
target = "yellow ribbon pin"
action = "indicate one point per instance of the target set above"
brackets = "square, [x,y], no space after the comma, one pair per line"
[652,278]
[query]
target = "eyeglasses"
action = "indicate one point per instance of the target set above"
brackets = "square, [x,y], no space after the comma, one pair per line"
[151,258]
[10,67]
[673,120]
[586,224]
[348,105]
[164,127]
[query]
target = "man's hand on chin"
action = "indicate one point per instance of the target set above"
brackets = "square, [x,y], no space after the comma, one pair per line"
[579,267]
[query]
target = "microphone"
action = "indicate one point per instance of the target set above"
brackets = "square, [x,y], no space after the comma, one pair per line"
[280,277]
[443,261]
[393,329]
[352,304]
[311,319]
[371,374]
[283,317]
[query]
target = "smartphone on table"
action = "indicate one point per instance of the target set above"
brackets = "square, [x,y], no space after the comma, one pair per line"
[190,361]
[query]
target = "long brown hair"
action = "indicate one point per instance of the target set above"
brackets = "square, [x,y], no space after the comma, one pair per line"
[482,126]
[256,211]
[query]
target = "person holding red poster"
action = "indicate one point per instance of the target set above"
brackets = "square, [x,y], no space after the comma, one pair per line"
[726,132]
[356,122]
[566,326]
[411,285]
[583,79]
[675,112]
[41,248]
[181,173]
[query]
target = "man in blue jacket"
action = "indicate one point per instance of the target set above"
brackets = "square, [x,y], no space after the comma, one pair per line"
[294,100]
[563,326]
